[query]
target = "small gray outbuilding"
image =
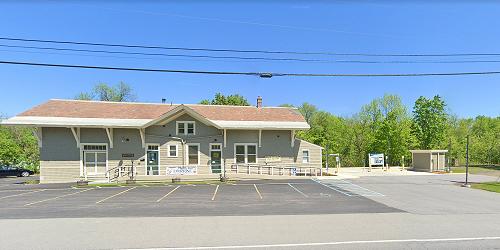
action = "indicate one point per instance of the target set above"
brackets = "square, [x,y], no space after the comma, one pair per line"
[429,160]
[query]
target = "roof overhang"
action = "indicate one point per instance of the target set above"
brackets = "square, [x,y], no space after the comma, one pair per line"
[275,125]
[429,151]
[36,121]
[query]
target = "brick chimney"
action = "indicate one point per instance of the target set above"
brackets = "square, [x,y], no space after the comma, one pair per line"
[259,102]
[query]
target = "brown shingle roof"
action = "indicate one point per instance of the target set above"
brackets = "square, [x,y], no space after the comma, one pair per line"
[92,109]
[247,113]
[116,110]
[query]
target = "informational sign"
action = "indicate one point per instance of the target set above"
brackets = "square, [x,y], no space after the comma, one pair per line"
[182,170]
[273,159]
[376,159]
[127,155]
[293,171]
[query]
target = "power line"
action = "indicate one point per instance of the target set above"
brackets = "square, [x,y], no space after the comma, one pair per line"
[167,55]
[244,58]
[260,74]
[247,51]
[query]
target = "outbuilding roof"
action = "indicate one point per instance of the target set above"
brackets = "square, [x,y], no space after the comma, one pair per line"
[58,112]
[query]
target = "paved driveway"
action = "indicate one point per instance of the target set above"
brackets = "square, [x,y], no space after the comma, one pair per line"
[433,194]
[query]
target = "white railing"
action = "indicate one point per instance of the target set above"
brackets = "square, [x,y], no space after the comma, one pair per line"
[283,170]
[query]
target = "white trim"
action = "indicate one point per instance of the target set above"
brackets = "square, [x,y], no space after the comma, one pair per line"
[260,138]
[83,170]
[292,138]
[429,151]
[76,134]
[176,150]
[185,127]
[187,153]
[146,156]
[225,138]
[109,132]
[308,155]
[210,155]
[188,111]
[142,132]
[72,121]
[274,125]
[246,151]
[312,144]
[142,123]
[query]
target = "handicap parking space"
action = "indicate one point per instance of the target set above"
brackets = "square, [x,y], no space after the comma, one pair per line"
[241,198]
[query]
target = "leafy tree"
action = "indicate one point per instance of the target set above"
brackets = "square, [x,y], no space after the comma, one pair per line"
[220,99]
[18,146]
[429,122]
[122,92]
[307,110]
[391,127]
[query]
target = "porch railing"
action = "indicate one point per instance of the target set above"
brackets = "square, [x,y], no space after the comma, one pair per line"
[282,170]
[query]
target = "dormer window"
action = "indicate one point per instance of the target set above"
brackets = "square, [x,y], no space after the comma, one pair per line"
[186,128]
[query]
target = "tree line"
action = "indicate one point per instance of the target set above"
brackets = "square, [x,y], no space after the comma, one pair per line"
[383,125]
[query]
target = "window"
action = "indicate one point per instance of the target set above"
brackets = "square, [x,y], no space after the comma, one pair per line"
[172,151]
[245,153]
[305,156]
[193,154]
[186,128]
[94,147]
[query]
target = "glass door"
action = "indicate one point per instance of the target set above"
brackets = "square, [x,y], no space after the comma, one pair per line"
[216,158]
[95,162]
[153,166]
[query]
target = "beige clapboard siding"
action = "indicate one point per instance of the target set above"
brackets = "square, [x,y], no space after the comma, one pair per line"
[59,171]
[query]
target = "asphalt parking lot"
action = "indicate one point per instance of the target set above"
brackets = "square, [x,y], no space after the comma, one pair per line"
[242,198]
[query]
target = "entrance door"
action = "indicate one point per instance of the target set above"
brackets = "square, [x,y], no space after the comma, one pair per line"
[216,158]
[153,165]
[95,162]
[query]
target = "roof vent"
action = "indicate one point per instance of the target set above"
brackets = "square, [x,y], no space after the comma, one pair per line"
[259,102]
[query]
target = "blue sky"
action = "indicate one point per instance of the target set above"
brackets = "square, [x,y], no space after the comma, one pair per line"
[362,27]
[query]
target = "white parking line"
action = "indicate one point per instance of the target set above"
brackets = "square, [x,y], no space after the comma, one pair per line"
[61,196]
[167,194]
[256,189]
[300,192]
[14,195]
[332,188]
[354,242]
[215,193]
[107,198]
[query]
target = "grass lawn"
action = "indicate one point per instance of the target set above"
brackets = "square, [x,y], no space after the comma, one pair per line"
[491,170]
[489,186]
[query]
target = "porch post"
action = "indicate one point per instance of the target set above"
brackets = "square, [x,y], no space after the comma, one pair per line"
[260,138]
[225,137]
[292,138]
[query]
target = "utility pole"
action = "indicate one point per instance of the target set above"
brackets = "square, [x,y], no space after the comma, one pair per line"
[467,163]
